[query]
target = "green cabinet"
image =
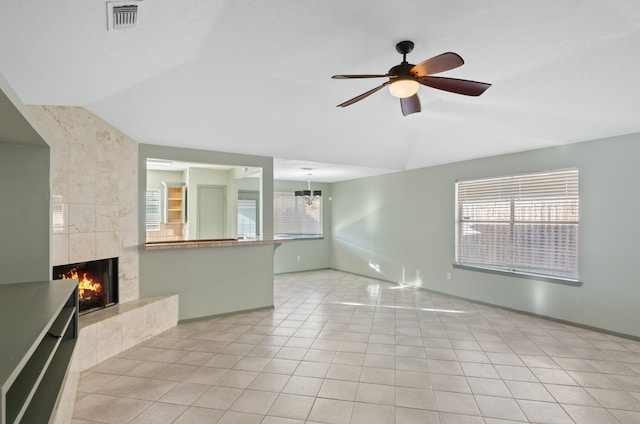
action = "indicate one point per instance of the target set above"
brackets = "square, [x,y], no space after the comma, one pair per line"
[38,329]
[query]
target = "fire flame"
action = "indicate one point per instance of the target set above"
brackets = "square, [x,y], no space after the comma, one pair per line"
[84,283]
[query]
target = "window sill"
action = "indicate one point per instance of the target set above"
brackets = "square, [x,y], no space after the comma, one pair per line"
[557,280]
[298,237]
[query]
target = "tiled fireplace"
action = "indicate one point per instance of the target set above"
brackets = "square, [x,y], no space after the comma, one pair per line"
[94,192]
[94,207]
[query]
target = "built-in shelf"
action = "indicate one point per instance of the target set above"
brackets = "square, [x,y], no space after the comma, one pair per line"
[39,328]
[174,203]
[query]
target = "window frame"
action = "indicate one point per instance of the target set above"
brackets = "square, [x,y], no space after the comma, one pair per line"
[517,193]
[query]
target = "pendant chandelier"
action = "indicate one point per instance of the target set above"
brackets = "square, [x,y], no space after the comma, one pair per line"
[307,195]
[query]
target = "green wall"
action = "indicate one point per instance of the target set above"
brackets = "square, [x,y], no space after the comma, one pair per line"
[210,281]
[400,227]
[24,212]
[24,190]
[312,253]
[155,178]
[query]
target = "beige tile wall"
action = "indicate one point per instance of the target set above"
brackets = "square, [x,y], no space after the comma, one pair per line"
[108,332]
[94,180]
[168,232]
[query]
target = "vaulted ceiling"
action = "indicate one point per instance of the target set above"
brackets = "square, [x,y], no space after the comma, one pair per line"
[253,76]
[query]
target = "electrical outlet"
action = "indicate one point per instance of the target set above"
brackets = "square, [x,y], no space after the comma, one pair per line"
[449,276]
[298,258]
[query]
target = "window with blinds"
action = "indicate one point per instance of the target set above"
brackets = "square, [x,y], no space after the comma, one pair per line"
[247,218]
[524,223]
[153,209]
[292,218]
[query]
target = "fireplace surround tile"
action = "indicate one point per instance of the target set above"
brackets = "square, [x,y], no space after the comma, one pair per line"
[134,332]
[82,247]
[82,218]
[86,351]
[110,331]
[60,187]
[107,164]
[128,206]
[59,155]
[129,288]
[107,244]
[82,188]
[83,150]
[156,318]
[60,220]
[107,191]
[60,249]
[107,217]
[109,337]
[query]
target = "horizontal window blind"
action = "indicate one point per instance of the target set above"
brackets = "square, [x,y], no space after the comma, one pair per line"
[523,223]
[153,209]
[293,218]
[247,214]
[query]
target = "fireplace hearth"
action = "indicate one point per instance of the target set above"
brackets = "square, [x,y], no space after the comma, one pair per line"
[97,282]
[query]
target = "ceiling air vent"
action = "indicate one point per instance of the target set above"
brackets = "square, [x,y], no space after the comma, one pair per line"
[123,14]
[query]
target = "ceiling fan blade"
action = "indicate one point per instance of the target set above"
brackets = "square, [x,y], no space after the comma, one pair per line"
[363,76]
[454,85]
[363,95]
[410,105]
[436,64]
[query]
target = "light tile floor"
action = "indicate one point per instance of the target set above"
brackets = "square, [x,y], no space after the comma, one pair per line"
[340,348]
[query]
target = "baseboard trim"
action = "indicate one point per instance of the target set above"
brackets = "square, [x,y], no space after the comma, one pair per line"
[225,314]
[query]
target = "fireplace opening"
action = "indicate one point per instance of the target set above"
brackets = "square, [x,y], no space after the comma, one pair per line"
[97,282]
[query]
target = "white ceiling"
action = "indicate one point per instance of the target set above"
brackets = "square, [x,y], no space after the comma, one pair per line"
[253,76]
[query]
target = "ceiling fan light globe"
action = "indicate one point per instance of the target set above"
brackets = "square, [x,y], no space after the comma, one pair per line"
[403,88]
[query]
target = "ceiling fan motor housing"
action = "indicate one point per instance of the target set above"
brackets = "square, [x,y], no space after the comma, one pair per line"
[403,71]
[403,83]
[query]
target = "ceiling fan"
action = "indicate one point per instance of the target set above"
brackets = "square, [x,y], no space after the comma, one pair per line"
[405,79]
